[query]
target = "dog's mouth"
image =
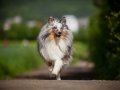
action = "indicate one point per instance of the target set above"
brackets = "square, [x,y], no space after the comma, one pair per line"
[58,35]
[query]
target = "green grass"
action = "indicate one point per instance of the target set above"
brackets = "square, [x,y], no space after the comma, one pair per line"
[80,52]
[16,59]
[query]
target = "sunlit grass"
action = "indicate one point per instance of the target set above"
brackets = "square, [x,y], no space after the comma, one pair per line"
[17,59]
[79,52]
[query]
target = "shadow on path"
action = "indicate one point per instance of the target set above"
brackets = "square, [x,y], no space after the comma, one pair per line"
[81,71]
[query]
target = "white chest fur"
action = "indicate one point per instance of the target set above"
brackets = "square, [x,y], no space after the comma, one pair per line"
[53,50]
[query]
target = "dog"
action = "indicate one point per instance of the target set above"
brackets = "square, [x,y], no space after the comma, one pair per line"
[55,45]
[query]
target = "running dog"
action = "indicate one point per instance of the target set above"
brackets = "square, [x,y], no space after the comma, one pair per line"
[55,45]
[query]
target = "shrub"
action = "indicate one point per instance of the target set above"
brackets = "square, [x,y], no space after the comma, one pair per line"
[104,42]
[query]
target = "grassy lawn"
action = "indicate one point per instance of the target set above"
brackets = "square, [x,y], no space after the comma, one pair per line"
[16,59]
[80,51]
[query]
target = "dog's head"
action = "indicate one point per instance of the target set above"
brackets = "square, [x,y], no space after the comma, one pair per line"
[57,28]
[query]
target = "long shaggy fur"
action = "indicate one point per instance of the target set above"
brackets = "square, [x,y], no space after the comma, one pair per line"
[55,45]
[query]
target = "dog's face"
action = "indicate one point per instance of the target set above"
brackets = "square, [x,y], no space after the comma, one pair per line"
[57,29]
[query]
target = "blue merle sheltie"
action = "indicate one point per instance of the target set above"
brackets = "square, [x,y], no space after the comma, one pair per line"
[55,45]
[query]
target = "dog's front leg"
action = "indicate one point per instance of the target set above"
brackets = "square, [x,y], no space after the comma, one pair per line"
[57,66]
[58,77]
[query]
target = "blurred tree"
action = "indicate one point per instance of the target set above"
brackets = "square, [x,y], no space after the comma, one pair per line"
[105,39]
[2,17]
[2,11]
[42,9]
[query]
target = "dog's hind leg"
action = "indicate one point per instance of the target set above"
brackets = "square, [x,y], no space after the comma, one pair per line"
[50,71]
[50,65]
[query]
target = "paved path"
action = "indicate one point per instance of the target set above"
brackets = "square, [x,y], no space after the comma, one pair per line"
[59,85]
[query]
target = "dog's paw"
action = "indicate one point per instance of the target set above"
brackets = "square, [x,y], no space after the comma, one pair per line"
[58,78]
[53,76]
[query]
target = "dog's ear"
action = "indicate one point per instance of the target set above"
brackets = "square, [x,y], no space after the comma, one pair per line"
[63,20]
[50,20]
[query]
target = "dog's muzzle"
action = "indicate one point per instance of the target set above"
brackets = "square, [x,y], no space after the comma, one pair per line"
[58,34]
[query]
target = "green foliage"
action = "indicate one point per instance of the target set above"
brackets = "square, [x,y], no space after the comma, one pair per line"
[114,41]
[104,42]
[21,31]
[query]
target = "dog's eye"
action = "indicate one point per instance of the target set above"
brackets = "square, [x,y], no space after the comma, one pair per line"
[54,27]
[61,28]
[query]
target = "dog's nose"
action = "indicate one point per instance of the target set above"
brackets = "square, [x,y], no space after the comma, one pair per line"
[59,33]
